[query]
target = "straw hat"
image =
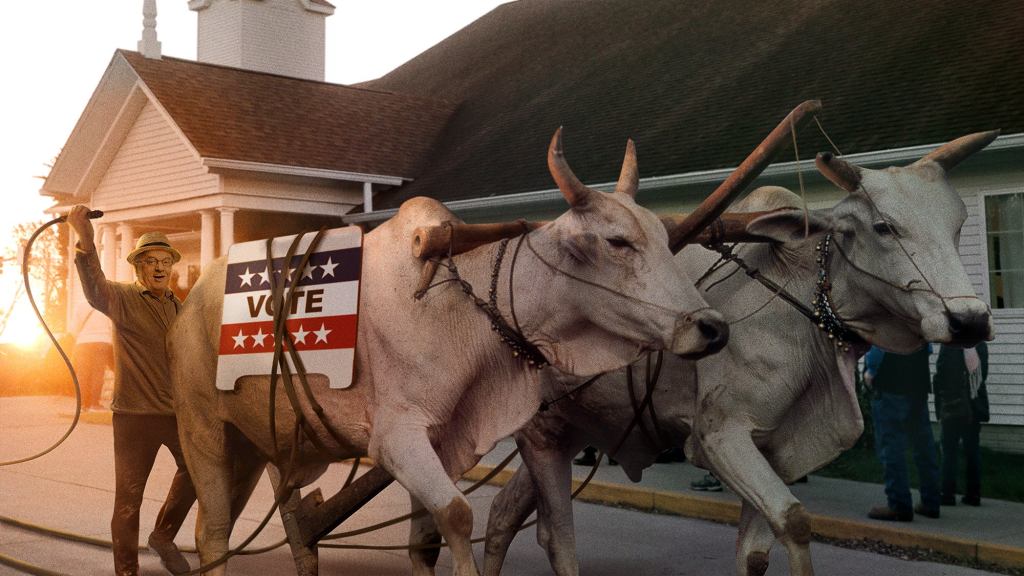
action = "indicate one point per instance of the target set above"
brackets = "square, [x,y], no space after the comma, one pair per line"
[153,241]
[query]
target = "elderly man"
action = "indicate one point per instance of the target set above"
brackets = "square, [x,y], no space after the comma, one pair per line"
[143,413]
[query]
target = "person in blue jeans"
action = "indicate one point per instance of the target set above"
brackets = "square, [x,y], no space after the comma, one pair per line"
[899,408]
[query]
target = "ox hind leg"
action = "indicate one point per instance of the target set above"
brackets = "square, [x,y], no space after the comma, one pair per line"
[753,542]
[405,451]
[738,463]
[424,540]
[509,509]
[223,484]
[205,454]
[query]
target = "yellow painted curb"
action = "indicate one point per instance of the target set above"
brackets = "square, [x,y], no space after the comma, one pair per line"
[728,512]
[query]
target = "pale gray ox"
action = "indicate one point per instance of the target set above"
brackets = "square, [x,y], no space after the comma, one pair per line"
[434,387]
[779,401]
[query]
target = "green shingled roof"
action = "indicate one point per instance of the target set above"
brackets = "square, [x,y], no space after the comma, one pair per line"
[698,84]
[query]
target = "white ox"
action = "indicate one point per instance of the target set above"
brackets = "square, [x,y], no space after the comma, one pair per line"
[435,388]
[779,401]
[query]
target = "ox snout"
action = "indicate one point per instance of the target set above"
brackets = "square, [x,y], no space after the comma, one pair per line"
[699,334]
[969,328]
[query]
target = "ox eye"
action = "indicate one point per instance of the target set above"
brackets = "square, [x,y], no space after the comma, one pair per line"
[883,228]
[620,242]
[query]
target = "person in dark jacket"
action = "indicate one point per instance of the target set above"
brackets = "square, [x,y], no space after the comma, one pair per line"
[899,407]
[961,405]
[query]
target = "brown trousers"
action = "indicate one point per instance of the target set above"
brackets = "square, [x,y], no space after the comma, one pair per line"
[137,439]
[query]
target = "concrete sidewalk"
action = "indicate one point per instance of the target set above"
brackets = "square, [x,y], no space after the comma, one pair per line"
[993,532]
[80,473]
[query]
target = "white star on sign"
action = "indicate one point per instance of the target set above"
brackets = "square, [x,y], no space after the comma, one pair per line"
[308,271]
[263,276]
[240,339]
[329,267]
[321,334]
[258,337]
[300,336]
[246,277]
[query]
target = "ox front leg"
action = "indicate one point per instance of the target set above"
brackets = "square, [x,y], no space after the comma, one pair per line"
[509,510]
[424,540]
[405,451]
[753,543]
[738,463]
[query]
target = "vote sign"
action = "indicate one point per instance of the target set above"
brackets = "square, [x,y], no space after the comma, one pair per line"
[322,309]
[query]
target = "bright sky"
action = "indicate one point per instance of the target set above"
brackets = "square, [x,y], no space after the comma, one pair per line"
[54,53]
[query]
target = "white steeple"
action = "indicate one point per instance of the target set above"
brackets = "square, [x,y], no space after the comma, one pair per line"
[149,46]
[277,36]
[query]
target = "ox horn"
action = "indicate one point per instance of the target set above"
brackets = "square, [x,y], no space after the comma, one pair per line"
[840,172]
[573,190]
[629,177]
[952,153]
[743,175]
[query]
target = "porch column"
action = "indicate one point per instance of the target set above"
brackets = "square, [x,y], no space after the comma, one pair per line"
[227,229]
[72,281]
[206,239]
[108,248]
[125,271]
[367,197]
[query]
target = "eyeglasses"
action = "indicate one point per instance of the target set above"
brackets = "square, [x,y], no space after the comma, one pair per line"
[165,262]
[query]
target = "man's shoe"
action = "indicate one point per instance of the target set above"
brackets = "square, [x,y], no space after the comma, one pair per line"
[927,512]
[890,515]
[170,556]
[949,500]
[707,484]
[971,500]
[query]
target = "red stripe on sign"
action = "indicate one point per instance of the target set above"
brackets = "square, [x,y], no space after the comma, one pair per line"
[320,333]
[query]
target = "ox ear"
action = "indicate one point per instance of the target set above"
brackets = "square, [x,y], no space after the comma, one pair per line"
[629,176]
[840,172]
[574,191]
[952,153]
[788,225]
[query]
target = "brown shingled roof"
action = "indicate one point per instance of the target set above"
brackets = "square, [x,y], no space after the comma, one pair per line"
[698,84]
[234,114]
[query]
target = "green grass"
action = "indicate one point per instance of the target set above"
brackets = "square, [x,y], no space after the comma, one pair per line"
[1000,472]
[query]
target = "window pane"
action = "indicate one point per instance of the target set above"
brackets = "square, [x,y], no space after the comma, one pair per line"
[1007,289]
[1005,251]
[1004,220]
[1004,213]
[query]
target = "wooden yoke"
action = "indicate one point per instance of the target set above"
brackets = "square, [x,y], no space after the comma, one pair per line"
[433,241]
[755,163]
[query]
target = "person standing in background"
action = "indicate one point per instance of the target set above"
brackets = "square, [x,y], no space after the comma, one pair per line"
[899,408]
[961,405]
[93,354]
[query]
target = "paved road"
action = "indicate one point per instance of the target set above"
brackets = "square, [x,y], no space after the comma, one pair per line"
[71,489]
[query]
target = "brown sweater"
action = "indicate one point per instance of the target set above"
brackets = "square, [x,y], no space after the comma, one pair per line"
[141,319]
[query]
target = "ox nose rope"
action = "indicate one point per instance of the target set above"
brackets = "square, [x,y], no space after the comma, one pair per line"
[613,291]
[931,289]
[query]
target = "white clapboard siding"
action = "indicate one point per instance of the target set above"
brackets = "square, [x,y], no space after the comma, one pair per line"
[154,165]
[1006,353]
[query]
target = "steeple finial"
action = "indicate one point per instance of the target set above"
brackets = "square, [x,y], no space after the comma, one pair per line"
[149,46]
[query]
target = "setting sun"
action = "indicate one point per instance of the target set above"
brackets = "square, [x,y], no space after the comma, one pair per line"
[21,327]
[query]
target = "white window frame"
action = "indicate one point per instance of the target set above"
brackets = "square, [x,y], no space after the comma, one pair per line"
[983,218]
